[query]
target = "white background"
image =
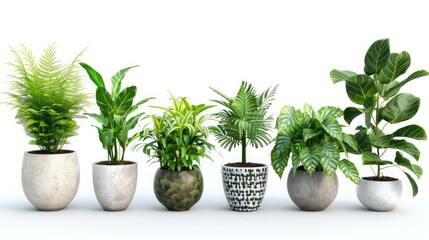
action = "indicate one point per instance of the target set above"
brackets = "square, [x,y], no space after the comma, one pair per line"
[185,47]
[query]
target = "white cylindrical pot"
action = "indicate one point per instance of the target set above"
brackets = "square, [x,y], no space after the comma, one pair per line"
[379,196]
[114,185]
[50,181]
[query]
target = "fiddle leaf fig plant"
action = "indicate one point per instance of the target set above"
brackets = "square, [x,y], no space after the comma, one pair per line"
[48,95]
[178,138]
[116,109]
[380,103]
[244,119]
[313,140]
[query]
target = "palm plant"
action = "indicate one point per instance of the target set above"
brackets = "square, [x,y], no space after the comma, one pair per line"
[243,121]
[47,95]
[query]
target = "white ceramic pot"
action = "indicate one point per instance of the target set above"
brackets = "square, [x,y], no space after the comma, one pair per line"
[379,196]
[50,181]
[114,185]
[244,187]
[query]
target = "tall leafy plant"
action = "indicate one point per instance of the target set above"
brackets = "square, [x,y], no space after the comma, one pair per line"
[244,119]
[115,117]
[48,95]
[381,103]
[178,138]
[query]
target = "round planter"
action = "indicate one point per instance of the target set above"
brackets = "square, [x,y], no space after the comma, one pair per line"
[50,181]
[379,196]
[178,191]
[312,193]
[244,187]
[114,185]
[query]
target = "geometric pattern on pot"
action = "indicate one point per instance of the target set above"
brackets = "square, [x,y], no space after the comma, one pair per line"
[244,187]
[178,190]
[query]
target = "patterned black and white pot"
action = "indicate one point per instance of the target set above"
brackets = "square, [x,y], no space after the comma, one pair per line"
[244,187]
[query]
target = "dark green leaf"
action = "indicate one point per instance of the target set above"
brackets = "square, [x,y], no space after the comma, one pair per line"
[396,66]
[93,75]
[350,171]
[400,108]
[413,184]
[369,158]
[377,56]
[310,158]
[402,161]
[104,102]
[333,128]
[411,131]
[309,133]
[341,75]
[124,100]
[363,141]
[280,154]
[326,112]
[351,113]
[405,146]
[351,142]
[330,158]
[394,88]
[359,88]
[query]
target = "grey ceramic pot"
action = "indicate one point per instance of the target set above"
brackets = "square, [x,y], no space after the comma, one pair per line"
[312,193]
[114,185]
[50,181]
[379,196]
[244,187]
[178,191]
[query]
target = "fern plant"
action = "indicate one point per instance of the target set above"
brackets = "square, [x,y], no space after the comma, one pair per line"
[244,119]
[47,95]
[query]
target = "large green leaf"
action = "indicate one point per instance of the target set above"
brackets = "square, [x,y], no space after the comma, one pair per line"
[330,158]
[402,161]
[362,139]
[377,56]
[411,131]
[351,142]
[124,100]
[359,88]
[394,86]
[287,114]
[350,171]
[369,106]
[296,160]
[351,113]
[405,146]
[396,66]
[309,133]
[333,128]
[341,75]
[117,80]
[93,75]
[413,184]
[100,118]
[400,108]
[369,158]
[329,111]
[310,158]
[280,154]
[105,102]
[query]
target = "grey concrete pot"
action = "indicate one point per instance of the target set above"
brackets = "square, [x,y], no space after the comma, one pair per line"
[379,196]
[312,193]
[50,181]
[244,187]
[114,185]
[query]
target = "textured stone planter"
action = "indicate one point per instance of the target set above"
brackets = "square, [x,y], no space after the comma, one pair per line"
[114,185]
[379,196]
[178,191]
[312,193]
[50,181]
[244,187]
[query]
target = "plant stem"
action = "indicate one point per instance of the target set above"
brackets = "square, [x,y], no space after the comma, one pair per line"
[243,148]
[376,125]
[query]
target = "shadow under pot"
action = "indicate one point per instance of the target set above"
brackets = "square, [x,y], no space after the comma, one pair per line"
[178,190]
[50,181]
[244,187]
[312,193]
[114,185]
[381,196]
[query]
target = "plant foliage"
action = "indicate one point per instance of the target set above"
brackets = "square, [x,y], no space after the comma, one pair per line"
[178,138]
[243,120]
[115,117]
[313,140]
[377,92]
[47,95]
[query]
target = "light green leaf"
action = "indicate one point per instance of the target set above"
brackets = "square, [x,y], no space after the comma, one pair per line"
[333,128]
[400,108]
[413,184]
[341,75]
[377,56]
[396,66]
[359,88]
[332,112]
[402,161]
[350,171]
[330,158]
[350,141]
[117,80]
[104,102]
[280,154]
[287,114]
[100,118]
[124,100]
[93,75]
[310,158]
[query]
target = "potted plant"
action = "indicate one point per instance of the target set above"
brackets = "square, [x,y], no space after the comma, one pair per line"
[48,96]
[313,141]
[381,104]
[243,121]
[115,179]
[177,141]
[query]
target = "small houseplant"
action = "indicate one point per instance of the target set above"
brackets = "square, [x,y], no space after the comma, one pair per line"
[115,179]
[244,121]
[48,96]
[313,141]
[381,104]
[177,141]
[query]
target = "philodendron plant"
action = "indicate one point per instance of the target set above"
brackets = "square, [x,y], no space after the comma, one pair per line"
[313,140]
[381,103]
[116,109]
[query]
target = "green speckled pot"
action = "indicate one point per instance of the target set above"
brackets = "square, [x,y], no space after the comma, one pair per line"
[178,191]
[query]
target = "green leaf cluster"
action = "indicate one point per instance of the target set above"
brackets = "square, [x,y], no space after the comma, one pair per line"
[48,95]
[380,103]
[178,138]
[313,140]
[117,113]
[244,118]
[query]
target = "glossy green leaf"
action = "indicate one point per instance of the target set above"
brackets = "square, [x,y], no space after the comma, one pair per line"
[117,80]
[394,87]
[287,114]
[309,133]
[396,66]
[351,113]
[362,139]
[310,158]
[400,108]
[341,75]
[350,171]
[296,160]
[330,158]
[369,106]
[124,100]
[93,75]
[329,112]
[369,158]
[402,161]
[411,131]
[377,56]
[100,118]
[351,142]
[405,146]
[413,184]
[104,102]
[280,154]
[359,88]
[333,128]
